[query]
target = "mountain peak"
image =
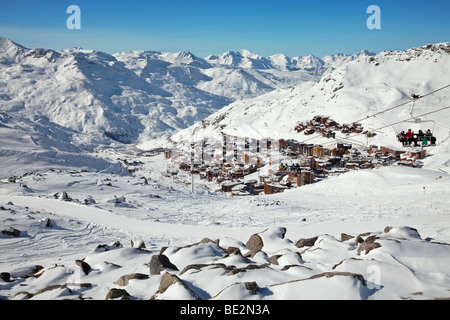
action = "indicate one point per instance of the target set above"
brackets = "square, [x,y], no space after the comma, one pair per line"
[6,44]
[9,50]
[365,53]
[248,54]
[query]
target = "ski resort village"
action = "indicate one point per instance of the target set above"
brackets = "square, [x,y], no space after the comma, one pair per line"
[147,175]
[283,164]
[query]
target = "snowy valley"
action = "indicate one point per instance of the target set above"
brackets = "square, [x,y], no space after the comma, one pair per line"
[93,204]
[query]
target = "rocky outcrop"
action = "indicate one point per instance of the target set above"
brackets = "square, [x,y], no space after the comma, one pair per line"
[125,280]
[12,232]
[273,267]
[159,263]
[5,276]
[306,242]
[117,294]
[170,279]
[255,243]
[368,245]
[84,266]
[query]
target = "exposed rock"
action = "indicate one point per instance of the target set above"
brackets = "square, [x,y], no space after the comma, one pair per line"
[203,241]
[387,229]
[5,276]
[106,247]
[368,245]
[358,240]
[287,267]
[199,266]
[306,242]
[26,294]
[141,245]
[50,288]
[166,281]
[34,273]
[365,234]
[63,196]
[237,252]
[274,259]
[124,280]
[249,267]
[80,285]
[48,222]
[346,274]
[159,263]
[252,287]
[84,266]
[169,279]
[12,232]
[233,250]
[117,293]
[206,240]
[345,237]
[252,253]
[161,251]
[255,243]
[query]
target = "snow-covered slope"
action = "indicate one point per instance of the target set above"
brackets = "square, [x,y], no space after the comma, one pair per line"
[358,90]
[249,60]
[83,216]
[368,234]
[76,100]
[132,96]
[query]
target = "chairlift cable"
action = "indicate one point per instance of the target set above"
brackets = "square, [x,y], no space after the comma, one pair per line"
[394,107]
[392,124]
[400,105]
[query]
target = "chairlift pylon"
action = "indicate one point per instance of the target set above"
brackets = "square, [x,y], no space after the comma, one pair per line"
[414,98]
[415,120]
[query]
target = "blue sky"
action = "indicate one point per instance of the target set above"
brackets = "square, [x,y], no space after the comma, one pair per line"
[211,27]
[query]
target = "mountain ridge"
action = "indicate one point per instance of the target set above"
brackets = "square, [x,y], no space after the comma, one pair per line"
[128,96]
[354,91]
[138,96]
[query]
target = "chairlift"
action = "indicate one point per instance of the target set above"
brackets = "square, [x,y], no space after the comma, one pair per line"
[415,120]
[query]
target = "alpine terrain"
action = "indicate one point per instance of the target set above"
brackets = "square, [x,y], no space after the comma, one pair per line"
[165,176]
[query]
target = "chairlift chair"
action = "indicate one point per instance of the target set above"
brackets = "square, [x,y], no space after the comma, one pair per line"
[415,120]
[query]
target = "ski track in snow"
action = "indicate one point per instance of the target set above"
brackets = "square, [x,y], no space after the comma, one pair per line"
[162,212]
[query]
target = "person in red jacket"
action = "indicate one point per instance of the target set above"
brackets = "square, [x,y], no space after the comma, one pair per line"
[410,138]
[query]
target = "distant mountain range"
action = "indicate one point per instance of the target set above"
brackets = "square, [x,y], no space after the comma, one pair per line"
[76,100]
[140,95]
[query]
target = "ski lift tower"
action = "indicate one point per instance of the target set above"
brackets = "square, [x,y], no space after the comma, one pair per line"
[413,119]
[414,98]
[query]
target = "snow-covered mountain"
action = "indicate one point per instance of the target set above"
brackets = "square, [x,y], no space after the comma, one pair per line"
[78,99]
[132,96]
[85,216]
[358,88]
[249,60]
